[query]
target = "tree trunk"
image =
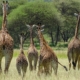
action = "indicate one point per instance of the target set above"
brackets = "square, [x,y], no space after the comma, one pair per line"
[52,39]
[65,36]
[57,35]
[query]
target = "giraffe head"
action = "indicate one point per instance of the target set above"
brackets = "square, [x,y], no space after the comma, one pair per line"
[5,6]
[30,27]
[77,15]
[39,27]
[39,32]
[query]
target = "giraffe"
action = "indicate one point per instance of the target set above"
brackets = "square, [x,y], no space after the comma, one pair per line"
[32,51]
[21,62]
[6,41]
[74,47]
[47,58]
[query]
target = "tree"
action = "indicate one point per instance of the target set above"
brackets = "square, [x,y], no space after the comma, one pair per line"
[33,13]
[67,9]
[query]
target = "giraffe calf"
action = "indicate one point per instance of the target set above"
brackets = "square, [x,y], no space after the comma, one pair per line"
[21,63]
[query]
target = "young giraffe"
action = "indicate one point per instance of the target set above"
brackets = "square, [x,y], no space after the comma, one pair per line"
[32,51]
[21,62]
[74,48]
[6,41]
[47,58]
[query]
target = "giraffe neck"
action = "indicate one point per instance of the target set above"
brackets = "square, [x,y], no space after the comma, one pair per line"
[31,38]
[21,51]
[21,43]
[4,22]
[41,38]
[77,28]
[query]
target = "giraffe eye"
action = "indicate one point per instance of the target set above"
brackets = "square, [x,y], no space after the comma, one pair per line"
[39,27]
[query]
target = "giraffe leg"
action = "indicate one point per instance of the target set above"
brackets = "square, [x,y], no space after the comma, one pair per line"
[0,64]
[8,58]
[74,62]
[24,70]
[46,68]
[79,63]
[55,66]
[50,68]
[30,64]
[18,66]
[76,59]
[40,69]
[35,63]
[69,59]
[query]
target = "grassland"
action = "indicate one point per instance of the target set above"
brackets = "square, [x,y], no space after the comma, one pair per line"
[62,74]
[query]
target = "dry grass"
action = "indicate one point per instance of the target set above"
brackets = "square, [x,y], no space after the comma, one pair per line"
[62,74]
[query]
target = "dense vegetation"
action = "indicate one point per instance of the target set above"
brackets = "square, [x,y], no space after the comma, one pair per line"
[57,15]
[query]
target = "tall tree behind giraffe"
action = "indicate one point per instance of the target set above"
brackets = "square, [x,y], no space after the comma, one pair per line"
[21,62]
[47,58]
[32,51]
[74,47]
[6,41]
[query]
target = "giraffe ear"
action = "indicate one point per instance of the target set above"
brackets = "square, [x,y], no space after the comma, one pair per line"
[42,30]
[33,25]
[76,14]
[28,26]
[42,26]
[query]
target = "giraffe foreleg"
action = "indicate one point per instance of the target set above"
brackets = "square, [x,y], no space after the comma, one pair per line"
[46,68]
[40,68]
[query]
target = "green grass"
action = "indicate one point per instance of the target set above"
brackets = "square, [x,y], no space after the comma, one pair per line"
[17,51]
[61,53]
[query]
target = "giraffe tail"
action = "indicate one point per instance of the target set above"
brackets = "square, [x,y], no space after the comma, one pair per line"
[63,66]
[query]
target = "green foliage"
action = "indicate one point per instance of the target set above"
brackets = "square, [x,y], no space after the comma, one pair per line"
[62,44]
[67,9]
[0,22]
[31,13]
[57,15]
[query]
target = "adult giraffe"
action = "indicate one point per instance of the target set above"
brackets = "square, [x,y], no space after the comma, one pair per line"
[32,51]
[74,47]
[47,57]
[6,41]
